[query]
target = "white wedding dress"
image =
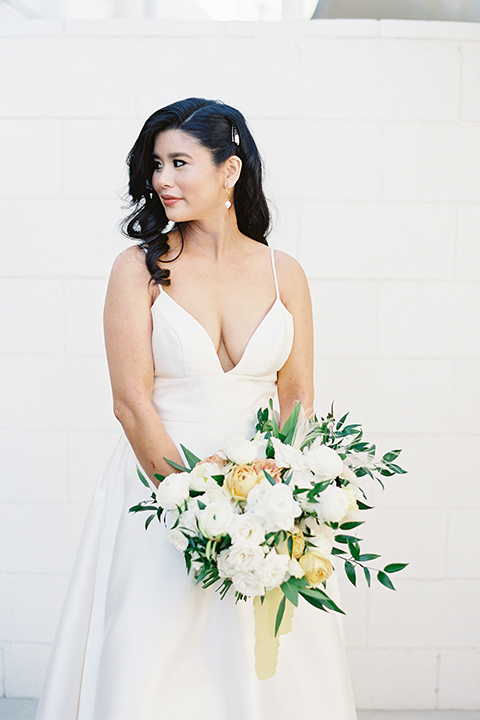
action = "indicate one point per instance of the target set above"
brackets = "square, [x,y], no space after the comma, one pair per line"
[138,639]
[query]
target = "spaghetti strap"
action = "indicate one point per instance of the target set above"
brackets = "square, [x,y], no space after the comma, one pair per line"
[274,274]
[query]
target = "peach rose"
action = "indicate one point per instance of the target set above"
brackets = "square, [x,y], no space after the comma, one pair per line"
[216,458]
[315,566]
[240,480]
[298,544]
[268,465]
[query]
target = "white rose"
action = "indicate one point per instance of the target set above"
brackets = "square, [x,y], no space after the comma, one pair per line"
[215,519]
[201,476]
[248,583]
[348,474]
[332,504]
[274,570]
[288,457]
[295,569]
[247,529]
[276,507]
[303,479]
[325,462]
[178,539]
[321,543]
[240,450]
[173,490]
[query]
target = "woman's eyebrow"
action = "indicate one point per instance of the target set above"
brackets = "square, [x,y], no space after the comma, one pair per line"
[171,156]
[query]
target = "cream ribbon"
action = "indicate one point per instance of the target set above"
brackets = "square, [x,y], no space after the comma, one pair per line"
[266,644]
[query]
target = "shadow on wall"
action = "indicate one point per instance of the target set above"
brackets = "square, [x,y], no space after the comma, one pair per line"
[448,10]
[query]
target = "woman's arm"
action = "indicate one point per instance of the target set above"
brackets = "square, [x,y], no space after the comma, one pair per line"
[295,379]
[128,332]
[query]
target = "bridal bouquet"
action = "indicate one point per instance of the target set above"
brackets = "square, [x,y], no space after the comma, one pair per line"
[264,516]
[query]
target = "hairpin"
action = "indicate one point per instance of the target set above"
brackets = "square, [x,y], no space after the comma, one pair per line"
[235,135]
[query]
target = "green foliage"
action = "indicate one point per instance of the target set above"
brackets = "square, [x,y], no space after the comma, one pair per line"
[142,478]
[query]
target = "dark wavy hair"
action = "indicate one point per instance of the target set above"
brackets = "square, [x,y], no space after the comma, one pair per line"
[210,122]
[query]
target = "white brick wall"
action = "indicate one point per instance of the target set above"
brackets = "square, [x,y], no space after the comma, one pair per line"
[370,133]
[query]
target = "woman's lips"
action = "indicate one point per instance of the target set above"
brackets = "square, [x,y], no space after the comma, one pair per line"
[170,200]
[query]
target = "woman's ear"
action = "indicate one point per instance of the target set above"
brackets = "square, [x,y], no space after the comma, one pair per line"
[233,167]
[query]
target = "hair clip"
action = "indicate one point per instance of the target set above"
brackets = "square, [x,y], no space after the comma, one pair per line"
[235,135]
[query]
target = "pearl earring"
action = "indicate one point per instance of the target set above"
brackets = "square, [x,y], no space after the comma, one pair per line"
[228,204]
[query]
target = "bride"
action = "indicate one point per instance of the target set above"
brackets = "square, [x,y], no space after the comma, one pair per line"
[203,324]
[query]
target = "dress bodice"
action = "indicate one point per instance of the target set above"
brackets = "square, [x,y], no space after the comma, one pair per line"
[190,383]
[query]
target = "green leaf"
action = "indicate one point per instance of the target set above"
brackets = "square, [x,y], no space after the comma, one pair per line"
[290,424]
[350,572]
[367,575]
[290,591]
[176,465]
[140,508]
[142,478]
[394,567]
[385,580]
[362,506]
[345,538]
[338,551]
[319,599]
[354,548]
[290,545]
[367,556]
[351,525]
[270,479]
[391,456]
[149,520]
[191,458]
[397,469]
[160,478]
[280,611]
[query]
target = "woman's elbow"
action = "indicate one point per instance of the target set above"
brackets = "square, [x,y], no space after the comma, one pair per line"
[128,409]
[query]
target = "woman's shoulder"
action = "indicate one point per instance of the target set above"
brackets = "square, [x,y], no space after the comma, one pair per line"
[288,266]
[130,270]
[292,280]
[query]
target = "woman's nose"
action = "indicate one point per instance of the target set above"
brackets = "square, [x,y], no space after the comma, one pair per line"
[165,178]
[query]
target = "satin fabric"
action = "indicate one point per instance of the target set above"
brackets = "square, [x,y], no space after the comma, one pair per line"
[137,638]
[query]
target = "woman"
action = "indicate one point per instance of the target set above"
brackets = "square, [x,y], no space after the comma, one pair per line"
[138,640]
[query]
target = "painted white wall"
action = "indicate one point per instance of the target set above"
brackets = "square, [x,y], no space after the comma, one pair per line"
[371,137]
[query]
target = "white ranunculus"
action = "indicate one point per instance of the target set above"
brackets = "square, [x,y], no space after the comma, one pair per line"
[325,462]
[288,457]
[247,529]
[274,570]
[275,506]
[215,519]
[201,476]
[173,490]
[217,493]
[240,450]
[332,504]
[244,558]
[294,568]
[178,539]
[188,520]
[248,583]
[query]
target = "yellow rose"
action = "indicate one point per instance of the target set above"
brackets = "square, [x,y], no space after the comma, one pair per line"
[298,544]
[315,566]
[240,480]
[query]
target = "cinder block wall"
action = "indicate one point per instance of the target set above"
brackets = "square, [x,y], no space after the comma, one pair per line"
[371,136]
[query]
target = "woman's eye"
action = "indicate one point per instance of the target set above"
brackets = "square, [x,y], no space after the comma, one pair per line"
[157,165]
[181,162]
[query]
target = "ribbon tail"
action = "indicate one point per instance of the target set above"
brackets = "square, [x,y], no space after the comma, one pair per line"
[266,643]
